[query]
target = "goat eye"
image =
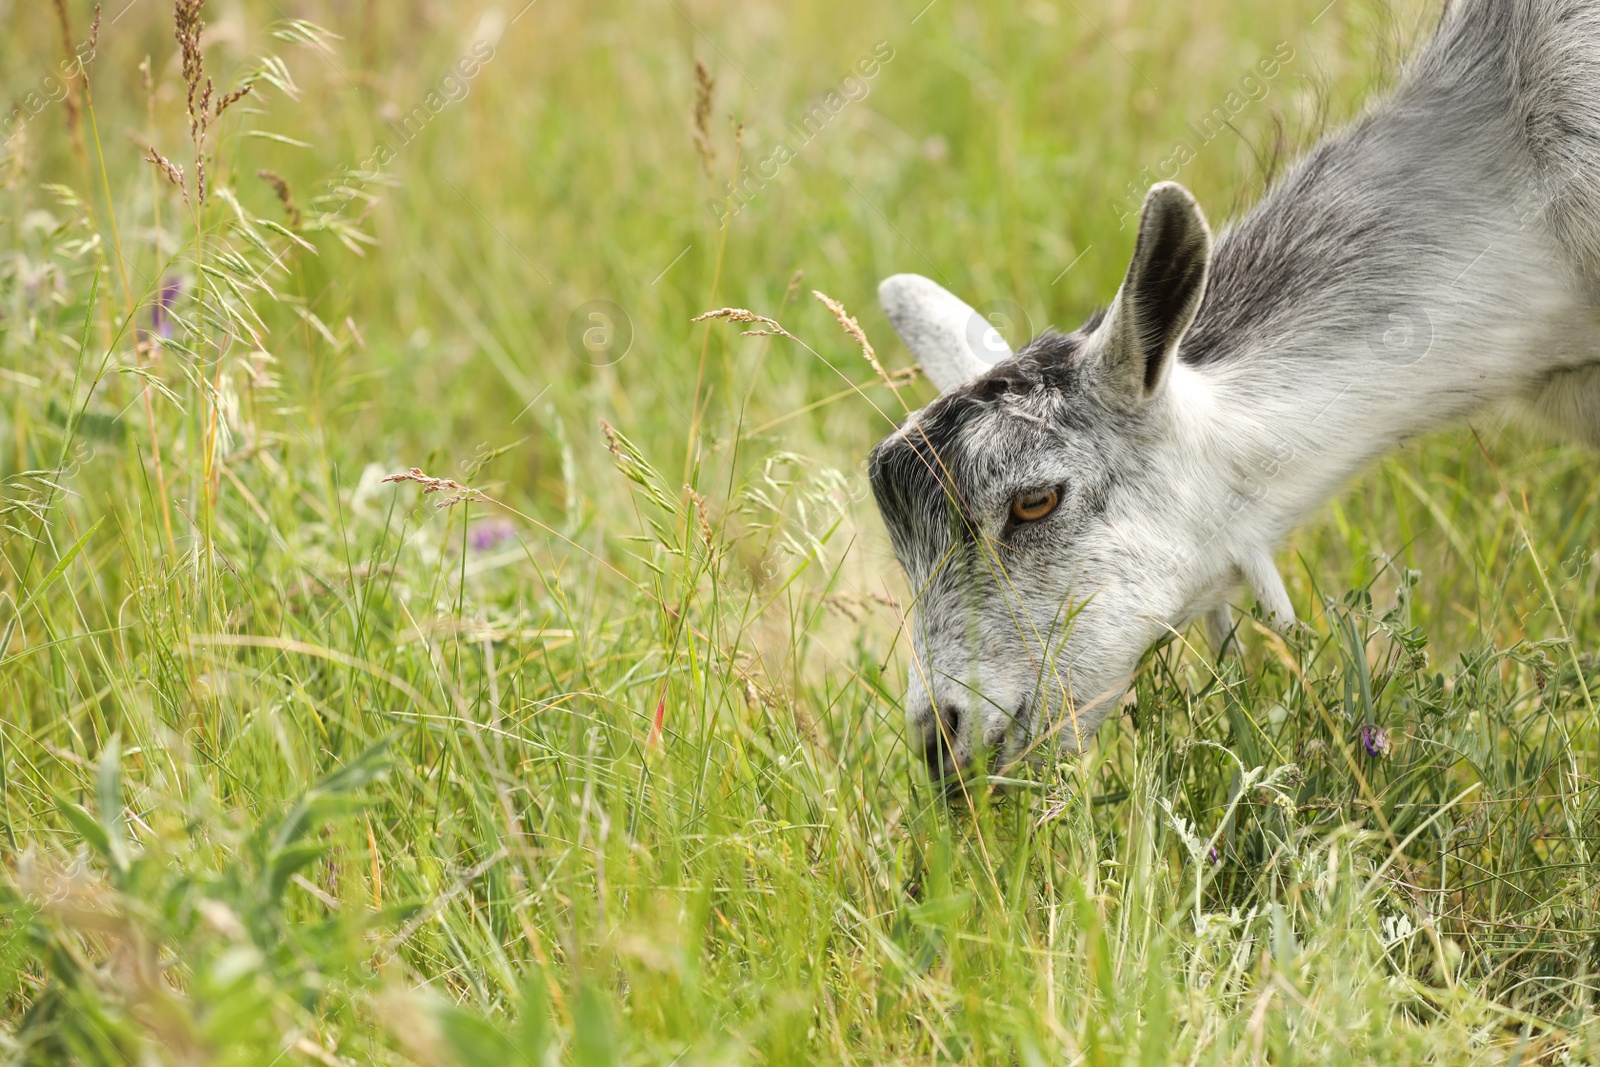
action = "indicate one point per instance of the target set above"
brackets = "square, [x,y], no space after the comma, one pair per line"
[1035,505]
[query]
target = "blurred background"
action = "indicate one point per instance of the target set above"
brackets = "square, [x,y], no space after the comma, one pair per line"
[605,756]
[474,183]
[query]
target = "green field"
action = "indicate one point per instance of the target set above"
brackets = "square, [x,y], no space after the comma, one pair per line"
[603,762]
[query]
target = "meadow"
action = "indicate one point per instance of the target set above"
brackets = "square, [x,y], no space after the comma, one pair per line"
[583,742]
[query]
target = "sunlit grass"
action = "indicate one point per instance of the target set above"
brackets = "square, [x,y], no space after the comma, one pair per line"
[603,762]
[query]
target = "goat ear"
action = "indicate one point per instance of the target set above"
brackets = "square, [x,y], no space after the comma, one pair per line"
[1160,295]
[953,343]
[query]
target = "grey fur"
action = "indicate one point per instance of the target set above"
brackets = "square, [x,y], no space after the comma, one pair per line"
[1438,258]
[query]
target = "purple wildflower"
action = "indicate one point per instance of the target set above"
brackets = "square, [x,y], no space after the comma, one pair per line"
[490,534]
[1375,739]
[160,313]
[1213,855]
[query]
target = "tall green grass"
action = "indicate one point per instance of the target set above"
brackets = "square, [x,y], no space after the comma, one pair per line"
[603,763]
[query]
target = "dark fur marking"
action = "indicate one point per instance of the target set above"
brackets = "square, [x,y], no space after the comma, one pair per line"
[912,472]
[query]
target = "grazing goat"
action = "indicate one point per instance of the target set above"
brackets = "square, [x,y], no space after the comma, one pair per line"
[1061,509]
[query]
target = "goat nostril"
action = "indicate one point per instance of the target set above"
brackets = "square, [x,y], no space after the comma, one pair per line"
[950,720]
[940,744]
